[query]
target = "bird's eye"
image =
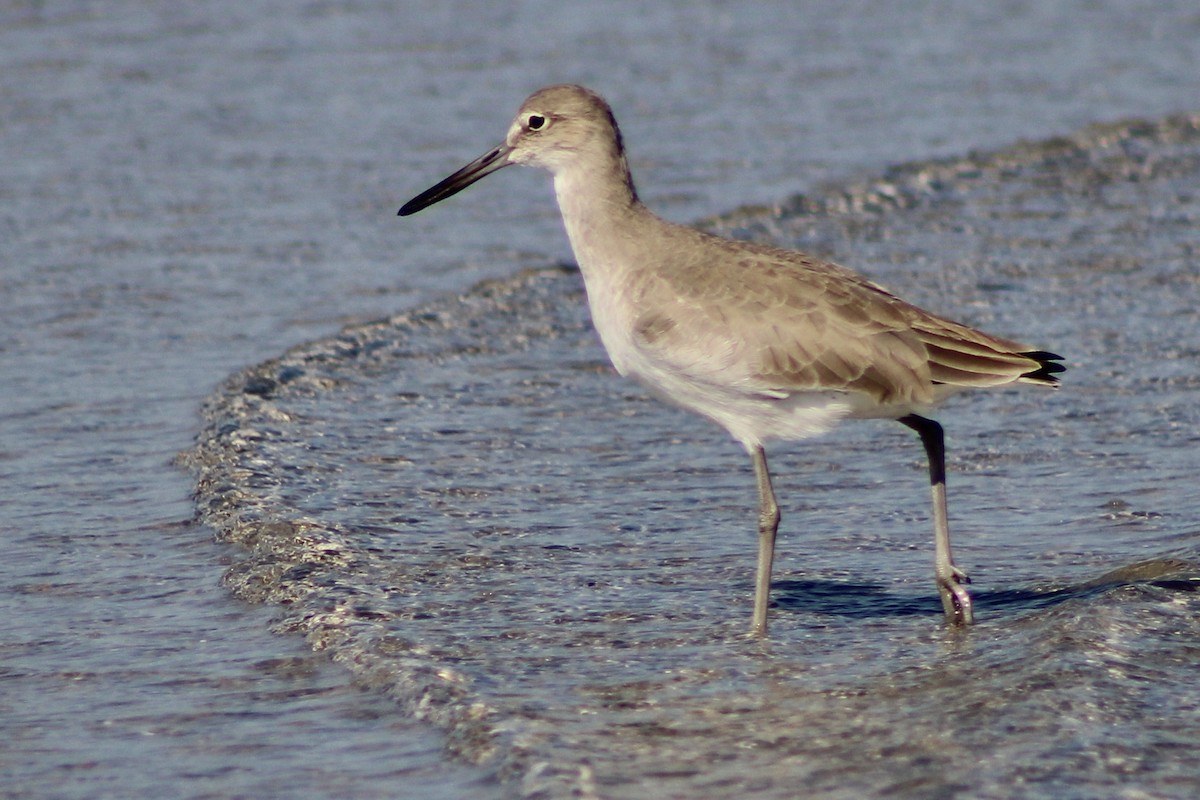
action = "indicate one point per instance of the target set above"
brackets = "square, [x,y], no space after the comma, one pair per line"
[535,122]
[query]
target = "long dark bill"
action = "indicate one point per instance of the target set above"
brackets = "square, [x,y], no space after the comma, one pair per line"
[486,164]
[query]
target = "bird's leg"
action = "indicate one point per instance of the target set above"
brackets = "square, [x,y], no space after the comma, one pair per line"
[768,525]
[951,581]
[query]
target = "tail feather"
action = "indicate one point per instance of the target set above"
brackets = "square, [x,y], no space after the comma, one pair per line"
[1047,369]
[962,356]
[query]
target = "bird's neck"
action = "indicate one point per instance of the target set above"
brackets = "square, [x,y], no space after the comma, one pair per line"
[599,207]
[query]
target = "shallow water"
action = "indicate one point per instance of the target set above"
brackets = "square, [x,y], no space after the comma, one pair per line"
[188,189]
[468,508]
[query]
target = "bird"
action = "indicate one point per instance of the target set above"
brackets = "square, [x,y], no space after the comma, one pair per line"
[770,344]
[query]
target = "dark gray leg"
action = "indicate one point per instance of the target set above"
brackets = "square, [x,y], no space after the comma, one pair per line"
[768,525]
[951,581]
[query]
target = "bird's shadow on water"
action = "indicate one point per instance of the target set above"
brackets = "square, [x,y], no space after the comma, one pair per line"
[874,600]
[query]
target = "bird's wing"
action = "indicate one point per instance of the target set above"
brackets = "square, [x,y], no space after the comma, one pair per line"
[782,323]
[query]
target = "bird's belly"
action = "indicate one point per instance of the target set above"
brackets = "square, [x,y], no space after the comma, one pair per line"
[752,418]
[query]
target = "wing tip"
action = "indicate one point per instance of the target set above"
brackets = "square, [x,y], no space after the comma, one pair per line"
[1047,369]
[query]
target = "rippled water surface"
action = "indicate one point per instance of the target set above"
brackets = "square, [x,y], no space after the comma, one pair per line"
[465,505]
[529,577]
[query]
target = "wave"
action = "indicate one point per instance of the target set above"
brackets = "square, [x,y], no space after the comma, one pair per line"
[464,506]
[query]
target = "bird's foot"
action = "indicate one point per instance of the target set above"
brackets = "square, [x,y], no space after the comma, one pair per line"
[956,600]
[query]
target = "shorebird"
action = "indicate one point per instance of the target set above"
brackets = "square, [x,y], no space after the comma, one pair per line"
[770,344]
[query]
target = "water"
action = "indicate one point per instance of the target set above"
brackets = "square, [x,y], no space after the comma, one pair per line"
[468,509]
[188,190]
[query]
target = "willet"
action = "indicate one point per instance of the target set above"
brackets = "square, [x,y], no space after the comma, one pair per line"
[768,343]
